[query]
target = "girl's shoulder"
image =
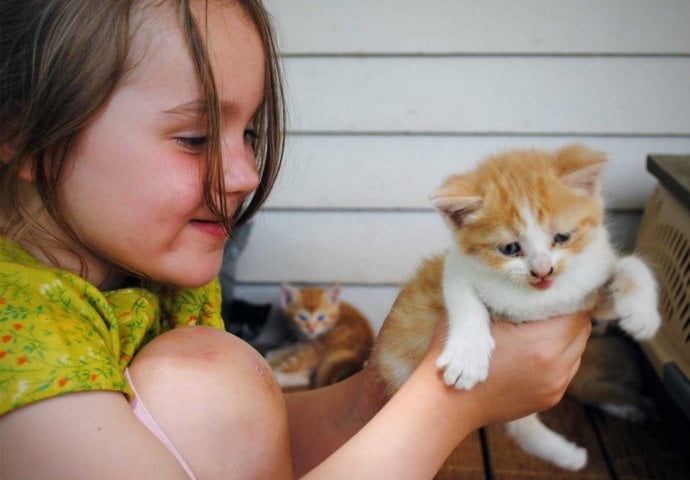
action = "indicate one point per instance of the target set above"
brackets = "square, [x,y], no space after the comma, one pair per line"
[54,338]
[60,334]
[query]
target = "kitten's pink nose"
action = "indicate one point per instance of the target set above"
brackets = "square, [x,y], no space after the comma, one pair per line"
[541,273]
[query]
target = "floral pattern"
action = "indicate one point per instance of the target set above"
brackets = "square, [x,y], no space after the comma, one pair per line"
[60,334]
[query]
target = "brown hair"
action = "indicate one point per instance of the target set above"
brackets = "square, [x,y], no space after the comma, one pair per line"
[60,61]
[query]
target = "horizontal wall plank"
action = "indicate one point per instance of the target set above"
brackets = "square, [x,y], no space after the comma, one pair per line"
[493,26]
[354,247]
[366,248]
[360,171]
[648,96]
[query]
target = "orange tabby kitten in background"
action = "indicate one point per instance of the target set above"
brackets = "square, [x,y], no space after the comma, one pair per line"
[528,244]
[338,338]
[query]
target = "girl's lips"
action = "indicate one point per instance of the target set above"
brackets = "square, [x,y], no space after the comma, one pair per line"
[212,228]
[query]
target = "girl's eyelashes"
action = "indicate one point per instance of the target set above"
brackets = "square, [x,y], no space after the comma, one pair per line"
[251,135]
[193,143]
[197,143]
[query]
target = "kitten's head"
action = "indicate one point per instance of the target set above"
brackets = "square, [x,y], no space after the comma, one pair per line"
[526,214]
[313,311]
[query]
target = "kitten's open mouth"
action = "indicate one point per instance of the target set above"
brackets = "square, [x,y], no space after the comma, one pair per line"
[543,284]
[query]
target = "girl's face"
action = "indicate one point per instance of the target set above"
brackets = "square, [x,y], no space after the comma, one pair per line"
[133,190]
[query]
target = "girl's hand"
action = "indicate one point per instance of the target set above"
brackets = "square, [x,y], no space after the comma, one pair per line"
[531,367]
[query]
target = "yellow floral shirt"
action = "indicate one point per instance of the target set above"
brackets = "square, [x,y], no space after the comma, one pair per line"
[60,334]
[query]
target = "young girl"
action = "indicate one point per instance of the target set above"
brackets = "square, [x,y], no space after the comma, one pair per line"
[134,136]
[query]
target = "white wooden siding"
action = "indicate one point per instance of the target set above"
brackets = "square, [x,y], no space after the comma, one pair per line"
[401,171]
[453,27]
[564,95]
[388,97]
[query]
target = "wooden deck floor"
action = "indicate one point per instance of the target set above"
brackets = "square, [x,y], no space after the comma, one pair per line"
[657,449]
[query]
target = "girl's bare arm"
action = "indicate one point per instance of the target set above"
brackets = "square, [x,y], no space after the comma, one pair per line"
[81,435]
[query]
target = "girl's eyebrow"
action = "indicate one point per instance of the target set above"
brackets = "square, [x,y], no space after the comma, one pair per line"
[198,108]
[195,107]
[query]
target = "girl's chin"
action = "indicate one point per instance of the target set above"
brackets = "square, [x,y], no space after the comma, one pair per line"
[190,281]
[193,274]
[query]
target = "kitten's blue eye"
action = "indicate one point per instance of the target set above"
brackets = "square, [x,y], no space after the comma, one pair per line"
[303,317]
[321,317]
[561,237]
[510,249]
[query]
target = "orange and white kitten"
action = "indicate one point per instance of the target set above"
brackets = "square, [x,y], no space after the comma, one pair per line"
[529,244]
[337,337]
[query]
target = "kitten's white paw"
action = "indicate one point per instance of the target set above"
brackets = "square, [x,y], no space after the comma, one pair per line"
[641,324]
[635,298]
[574,459]
[466,363]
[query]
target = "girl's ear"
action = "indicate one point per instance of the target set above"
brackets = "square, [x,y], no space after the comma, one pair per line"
[8,153]
[26,172]
[288,294]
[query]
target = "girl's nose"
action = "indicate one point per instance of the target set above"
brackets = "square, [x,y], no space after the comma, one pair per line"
[239,168]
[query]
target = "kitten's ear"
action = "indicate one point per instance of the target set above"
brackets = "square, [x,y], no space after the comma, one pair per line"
[580,168]
[457,209]
[288,294]
[457,198]
[333,294]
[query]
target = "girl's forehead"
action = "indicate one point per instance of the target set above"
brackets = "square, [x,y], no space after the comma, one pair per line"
[154,27]
[158,40]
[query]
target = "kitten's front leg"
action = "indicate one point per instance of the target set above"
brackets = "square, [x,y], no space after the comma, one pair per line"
[469,344]
[635,298]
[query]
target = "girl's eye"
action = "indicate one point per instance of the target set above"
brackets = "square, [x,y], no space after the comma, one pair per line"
[193,143]
[510,249]
[251,135]
[561,237]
